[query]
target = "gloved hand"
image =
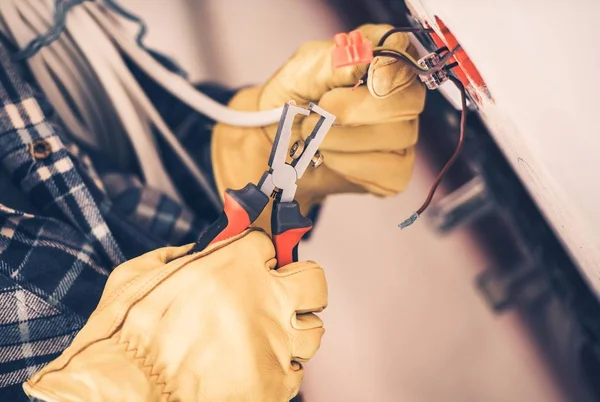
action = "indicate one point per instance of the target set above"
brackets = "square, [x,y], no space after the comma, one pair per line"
[370,148]
[221,325]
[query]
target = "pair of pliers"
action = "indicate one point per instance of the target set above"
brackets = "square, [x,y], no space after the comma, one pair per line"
[242,207]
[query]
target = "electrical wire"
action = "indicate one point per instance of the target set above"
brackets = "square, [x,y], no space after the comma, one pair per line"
[61,9]
[412,63]
[89,85]
[67,80]
[131,17]
[21,23]
[151,63]
[177,85]
[402,29]
[422,71]
[143,31]
[452,65]
[118,80]
[85,76]
[451,161]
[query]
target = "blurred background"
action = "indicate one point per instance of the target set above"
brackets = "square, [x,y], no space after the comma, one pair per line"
[413,315]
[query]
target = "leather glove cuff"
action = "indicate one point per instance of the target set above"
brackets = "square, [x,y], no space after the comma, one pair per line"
[98,361]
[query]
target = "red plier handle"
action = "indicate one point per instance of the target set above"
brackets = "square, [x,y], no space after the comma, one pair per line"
[242,208]
[288,226]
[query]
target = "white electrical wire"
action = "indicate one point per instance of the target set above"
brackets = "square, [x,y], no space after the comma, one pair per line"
[95,94]
[58,77]
[63,72]
[73,72]
[21,35]
[146,108]
[175,84]
[113,73]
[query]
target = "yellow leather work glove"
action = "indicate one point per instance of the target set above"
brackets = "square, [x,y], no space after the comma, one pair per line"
[221,325]
[370,148]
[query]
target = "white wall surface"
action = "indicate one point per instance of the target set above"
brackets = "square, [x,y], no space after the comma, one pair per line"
[541,69]
[404,321]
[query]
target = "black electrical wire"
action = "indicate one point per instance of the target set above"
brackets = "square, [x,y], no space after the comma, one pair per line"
[402,29]
[452,65]
[442,64]
[422,71]
[410,62]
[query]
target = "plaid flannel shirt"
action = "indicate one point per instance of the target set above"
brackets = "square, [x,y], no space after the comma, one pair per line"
[78,219]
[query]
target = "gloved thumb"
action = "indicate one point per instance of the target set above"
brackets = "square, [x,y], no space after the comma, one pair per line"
[310,73]
[388,75]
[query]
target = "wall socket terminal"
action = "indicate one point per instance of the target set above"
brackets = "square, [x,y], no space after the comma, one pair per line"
[432,81]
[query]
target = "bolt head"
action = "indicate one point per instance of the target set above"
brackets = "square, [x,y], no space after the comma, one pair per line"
[317,160]
[297,149]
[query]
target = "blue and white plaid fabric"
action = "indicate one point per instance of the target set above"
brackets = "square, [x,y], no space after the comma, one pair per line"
[87,218]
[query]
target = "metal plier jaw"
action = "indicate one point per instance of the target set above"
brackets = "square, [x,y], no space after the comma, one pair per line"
[243,206]
[282,176]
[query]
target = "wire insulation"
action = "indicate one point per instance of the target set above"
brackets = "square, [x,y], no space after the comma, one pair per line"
[61,9]
[402,29]
[143,31]
[412,63]
[451,161]
[177,85]
[461,140]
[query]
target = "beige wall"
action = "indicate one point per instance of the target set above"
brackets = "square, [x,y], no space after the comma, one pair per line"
[404,322]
